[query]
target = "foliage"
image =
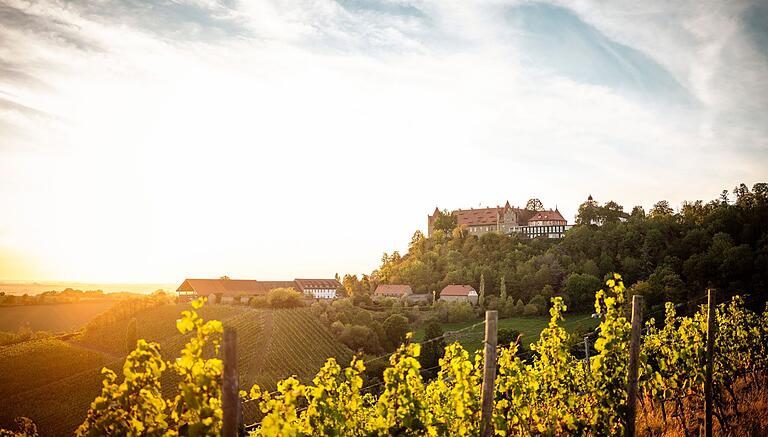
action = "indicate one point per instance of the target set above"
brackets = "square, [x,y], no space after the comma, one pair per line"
[24,333]
[136,405]
[444,221]
[395,328]
[434,347]
[549,392]
[284,298]
[716,244]
[25,427]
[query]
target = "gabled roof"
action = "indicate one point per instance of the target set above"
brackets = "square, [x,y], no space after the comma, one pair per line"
[547,215]
[490,216]
[231,287]
[457,290]
[401,289]
[481,216]
[304,284]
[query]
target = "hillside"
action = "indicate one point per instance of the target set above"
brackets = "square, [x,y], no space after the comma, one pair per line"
[54,317]
[272,344]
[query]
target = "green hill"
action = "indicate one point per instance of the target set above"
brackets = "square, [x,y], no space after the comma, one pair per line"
[272,344]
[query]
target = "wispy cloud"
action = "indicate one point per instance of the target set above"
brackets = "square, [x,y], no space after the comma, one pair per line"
[155,139]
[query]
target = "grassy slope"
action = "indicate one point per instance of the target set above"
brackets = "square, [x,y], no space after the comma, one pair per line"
[271,345]
[530,327]
[53,317]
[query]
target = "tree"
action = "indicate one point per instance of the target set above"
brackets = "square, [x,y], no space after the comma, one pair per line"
[581,289]
[444,221]
[540,302]
[284,298]
[588,214]
[434,346]
[661,209]
[612,212]
[481,293]
[534,205]
[395,328]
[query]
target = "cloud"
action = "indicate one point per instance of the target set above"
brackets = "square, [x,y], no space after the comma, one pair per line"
[164,139]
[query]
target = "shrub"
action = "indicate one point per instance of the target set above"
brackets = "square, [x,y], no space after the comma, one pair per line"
[507,336]
[359,337]
[258,302]
[531,310]
[540,303]
[284,298]
[460,312]
[395,328]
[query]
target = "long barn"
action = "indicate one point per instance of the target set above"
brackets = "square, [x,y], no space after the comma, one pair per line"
[231,290]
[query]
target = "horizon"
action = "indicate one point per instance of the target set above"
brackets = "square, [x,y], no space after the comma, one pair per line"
[288,139]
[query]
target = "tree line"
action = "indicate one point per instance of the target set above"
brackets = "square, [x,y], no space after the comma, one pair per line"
[665,254]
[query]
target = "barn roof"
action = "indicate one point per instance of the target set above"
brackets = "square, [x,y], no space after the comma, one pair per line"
[304,284]
[547,215]
[456,290]
[231,287]
[402,289]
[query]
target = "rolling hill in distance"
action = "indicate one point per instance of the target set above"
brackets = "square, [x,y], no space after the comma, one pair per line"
[61,378]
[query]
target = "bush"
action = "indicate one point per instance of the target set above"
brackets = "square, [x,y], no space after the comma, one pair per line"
[432,352]
[519,307]
[395,328]
[507,336]
[258,302]
[358,337]
[284,298]
[540,303]
[531,310]
[460,312]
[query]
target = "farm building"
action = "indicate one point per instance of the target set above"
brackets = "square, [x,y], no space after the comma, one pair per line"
[392,290]
[456,293]
[227,290]
[399,291]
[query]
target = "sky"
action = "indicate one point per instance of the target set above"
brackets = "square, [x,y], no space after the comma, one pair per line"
[149,141]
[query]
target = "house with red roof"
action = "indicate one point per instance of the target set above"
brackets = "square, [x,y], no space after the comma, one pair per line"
[458,293]
[392,290]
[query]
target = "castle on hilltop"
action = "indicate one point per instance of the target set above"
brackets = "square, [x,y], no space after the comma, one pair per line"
[507,220]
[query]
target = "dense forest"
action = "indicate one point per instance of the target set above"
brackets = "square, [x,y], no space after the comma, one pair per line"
[665,254]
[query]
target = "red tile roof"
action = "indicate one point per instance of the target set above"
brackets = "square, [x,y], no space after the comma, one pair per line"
[490,216]
[547,215]
[304,284]
[457,290]
[482,216]
[232,287]
[400,289]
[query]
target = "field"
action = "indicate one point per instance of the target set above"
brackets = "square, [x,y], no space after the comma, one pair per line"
[529,327]
[58,380]
[54,317]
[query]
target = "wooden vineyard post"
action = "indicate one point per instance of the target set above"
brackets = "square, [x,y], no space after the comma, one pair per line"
[711,327]
[230,398]
[489,373]
[634,356]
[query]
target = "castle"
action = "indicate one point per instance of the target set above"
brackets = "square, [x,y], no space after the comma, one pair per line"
[507,219]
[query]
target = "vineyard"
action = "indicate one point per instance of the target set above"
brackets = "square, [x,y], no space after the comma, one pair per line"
[59,380]
[546,390]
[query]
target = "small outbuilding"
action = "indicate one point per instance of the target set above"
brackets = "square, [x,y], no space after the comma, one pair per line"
[458,293]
